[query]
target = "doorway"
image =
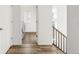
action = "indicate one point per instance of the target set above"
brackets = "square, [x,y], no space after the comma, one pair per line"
[28,17]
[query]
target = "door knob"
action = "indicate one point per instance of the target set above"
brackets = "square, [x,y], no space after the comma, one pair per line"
[1,28]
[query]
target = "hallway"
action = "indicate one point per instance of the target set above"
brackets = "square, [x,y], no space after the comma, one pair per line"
[29,38]
[30,30]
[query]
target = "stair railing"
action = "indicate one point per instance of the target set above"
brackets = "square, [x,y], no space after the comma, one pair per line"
[59,40]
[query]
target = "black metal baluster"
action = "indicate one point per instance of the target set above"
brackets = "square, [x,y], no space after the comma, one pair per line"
[53,35]
[66,45]
[61,41]
[56,37]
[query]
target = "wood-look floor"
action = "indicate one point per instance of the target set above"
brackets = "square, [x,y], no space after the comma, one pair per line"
[29,47]
[29,38]
[33,49]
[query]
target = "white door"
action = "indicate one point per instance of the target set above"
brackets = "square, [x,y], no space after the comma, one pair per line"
[29,18]
[4,28]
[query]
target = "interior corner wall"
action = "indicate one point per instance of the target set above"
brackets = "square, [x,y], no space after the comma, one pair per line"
[61,18]
[44,24]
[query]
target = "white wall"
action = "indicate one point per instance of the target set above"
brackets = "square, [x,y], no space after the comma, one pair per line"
[60,17]
[5,23]
[44,18]
[73,29]
[16,25]
[28,17]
